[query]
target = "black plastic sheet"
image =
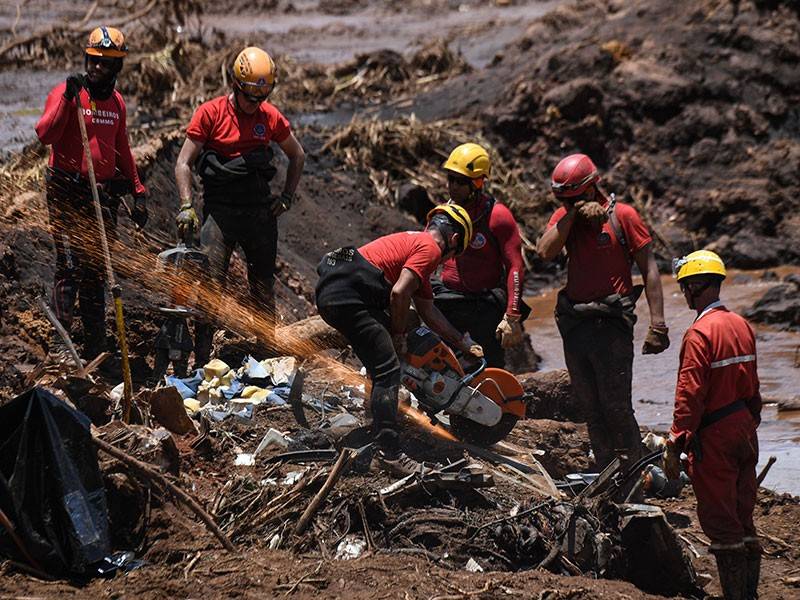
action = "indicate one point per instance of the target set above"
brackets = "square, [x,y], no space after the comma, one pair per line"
[50,485]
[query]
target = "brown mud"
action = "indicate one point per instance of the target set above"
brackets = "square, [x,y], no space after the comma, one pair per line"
[689,108]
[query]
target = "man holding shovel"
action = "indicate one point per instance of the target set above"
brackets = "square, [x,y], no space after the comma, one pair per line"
[79,260]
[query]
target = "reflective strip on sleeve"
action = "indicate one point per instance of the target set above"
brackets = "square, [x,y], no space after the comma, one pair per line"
[733,361]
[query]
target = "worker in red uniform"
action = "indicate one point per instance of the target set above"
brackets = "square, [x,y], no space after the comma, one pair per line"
[356,287]
[717,411]
[595,311]
[79,270]
[228,141]
[481,289]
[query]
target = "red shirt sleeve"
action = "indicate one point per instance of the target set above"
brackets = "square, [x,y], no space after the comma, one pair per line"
[57,111]
[692,387]
[126,163]
[560,212]
[199,129]
[279,125]
[423,262]
[636,232]
[506,231]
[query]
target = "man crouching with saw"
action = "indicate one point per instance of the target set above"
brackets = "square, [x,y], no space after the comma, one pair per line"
[354,291]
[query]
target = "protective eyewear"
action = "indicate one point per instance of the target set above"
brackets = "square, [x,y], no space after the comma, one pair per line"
[102,60]
[255,99]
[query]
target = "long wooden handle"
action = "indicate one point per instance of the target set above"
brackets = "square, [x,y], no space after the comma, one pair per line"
[127,387]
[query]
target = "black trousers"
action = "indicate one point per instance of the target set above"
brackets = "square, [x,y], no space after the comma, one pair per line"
[599,357]
[479,316]
[255,230]
[367,330]
[80,270]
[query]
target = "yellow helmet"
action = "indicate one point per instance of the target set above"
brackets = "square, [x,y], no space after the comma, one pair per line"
[460,216]
[702,262]
[254,72]
[108,42]
[470,160]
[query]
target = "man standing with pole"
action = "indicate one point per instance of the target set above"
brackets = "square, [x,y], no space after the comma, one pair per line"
[91,166]
[717,411]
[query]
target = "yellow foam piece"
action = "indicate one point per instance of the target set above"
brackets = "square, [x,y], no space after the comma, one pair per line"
[191,405]
[215,368]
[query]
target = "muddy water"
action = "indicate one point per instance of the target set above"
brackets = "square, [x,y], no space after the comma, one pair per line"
[478,31]
[654,375]
[21,105]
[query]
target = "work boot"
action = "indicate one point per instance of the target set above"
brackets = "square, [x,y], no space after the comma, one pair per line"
[732,567]
[753,553]
[399,463]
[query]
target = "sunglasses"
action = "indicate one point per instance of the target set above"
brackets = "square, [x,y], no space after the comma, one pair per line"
[102,60]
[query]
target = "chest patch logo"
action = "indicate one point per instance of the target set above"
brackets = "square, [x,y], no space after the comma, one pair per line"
[259,130]
[603,239]
[478,242]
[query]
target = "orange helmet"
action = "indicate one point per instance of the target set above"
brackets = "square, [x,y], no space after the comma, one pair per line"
[108,42]
[254,72]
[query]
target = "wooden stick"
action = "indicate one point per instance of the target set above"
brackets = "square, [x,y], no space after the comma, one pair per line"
[9,526]
[63,335]
[345,458]
[151,473]
[116,291]
[770,461]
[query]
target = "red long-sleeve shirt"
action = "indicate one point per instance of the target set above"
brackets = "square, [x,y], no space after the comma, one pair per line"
[106,129]
[717,367]
[493,259]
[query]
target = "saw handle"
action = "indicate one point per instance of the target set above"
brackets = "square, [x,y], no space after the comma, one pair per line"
[470,376]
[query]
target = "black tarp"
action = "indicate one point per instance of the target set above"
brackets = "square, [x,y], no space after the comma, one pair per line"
[50,485]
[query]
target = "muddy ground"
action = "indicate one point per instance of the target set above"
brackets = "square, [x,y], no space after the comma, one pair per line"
[689,108]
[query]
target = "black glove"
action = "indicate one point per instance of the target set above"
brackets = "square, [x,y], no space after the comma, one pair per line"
[280,204]
[139,211]
[75,83]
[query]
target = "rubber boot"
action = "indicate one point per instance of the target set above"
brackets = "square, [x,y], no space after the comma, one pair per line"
[732,568]
[753,553]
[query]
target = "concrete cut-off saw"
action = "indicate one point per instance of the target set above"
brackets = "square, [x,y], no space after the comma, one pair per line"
[483,405]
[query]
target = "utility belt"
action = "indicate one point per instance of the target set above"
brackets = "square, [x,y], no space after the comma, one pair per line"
[498,297]
[708,419]
[618,309]
[719,414]
[72,191]
[240,181]
[347,278]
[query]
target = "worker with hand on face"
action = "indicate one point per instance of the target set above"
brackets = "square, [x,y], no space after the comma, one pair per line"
[717,411]
[356,287]
[595,311]
[481,289]
[80,272]
[228,143]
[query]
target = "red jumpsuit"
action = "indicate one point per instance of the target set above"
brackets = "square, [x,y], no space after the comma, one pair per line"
[718,370]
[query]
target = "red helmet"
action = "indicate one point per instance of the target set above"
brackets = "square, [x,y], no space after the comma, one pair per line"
[573,175]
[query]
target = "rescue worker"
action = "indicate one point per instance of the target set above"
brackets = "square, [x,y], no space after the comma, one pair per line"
[481,289]
[80,272]
[228,142]
[717,411]
[354,291]
[595,311]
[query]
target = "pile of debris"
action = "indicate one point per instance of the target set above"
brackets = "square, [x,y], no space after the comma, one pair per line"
[296,474]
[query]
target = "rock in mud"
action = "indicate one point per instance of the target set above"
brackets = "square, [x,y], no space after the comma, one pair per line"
[550,396]
[779,306]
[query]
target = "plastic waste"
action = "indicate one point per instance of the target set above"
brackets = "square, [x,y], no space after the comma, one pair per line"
[352,546]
